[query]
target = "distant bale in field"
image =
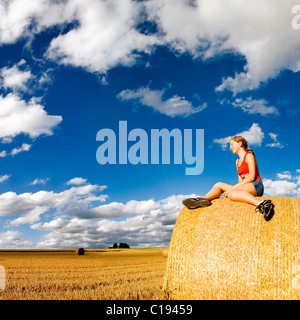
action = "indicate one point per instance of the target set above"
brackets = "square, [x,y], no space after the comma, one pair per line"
[80,251]
[228,251]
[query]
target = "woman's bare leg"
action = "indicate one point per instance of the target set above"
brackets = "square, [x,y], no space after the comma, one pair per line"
[245,193]
[217,190]
[243,196]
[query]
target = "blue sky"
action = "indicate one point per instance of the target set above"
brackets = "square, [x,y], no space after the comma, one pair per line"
[71,68]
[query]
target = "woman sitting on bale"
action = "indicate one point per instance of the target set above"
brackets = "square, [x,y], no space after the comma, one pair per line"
[246,190]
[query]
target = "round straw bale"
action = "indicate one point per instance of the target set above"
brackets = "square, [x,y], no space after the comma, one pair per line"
[80,251]
[228,251]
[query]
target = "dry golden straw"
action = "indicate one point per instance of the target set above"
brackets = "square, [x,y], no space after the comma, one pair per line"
[228,251]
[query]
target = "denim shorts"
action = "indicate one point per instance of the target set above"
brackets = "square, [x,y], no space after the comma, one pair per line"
[259,187]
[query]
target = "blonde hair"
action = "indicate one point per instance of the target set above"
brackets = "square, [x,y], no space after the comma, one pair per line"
[244,143]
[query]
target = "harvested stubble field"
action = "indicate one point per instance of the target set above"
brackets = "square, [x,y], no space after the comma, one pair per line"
[126,274]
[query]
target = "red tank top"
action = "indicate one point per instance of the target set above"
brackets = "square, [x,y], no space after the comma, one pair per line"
[243,170]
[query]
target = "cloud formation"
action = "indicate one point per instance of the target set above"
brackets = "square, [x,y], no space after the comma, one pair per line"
[25,19]
[15,151]
[75,217]
[145,223]
[20,117]
[14,78]
[275,143]
[288,184]
[39,181]
[101,35]
[106,34]
[4,177]
[253,106]
[76,181]
[28,207]
[254,136]
[174,106]
[14,239]
[255,30]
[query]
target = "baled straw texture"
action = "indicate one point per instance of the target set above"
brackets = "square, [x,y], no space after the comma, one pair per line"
[228,251]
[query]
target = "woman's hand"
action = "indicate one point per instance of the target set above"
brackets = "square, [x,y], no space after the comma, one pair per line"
[225,194]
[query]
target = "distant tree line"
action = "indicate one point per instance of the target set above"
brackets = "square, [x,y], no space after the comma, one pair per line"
[121,246]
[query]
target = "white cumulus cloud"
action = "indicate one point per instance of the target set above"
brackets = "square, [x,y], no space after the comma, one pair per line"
[280,187]
[29,206]
[145,223]
[106,35]
[76,181]
[15,78]
[254,136]
[15,151]
[254,29]
[20,117]
[254,106]
[24,147]
[284,175]
[275,143]
[26,18]
[14,239]
[174,106]
[74,217]
[287,184]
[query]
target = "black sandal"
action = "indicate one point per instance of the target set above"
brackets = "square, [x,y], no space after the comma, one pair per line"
[266,208]
[193,203]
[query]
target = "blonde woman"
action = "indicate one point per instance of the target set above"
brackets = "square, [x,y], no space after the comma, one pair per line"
[249,187]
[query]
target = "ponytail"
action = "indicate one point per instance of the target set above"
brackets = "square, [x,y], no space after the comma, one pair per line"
[249,151]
